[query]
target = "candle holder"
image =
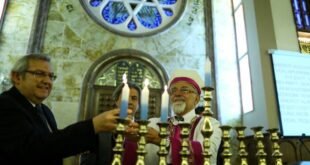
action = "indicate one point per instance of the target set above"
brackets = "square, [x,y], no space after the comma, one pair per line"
[185,153]
[207,129]
[163,134]
[141,144]
[208,101]
[226,154]
[242,148]
[276,154]
[260,154]
[118,149]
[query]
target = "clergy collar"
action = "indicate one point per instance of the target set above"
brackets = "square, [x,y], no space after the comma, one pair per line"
[187,117]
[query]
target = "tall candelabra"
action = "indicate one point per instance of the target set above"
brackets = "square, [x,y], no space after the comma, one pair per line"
[207,128]
[163,134]
[118,148]
[242,148]
[141,144]
[260,154]
[185,153]
[226,154]
[276,154]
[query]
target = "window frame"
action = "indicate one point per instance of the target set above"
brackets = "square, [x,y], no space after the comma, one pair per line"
[3,6]
[240,56]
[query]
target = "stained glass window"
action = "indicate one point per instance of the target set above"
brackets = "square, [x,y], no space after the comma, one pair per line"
[135,17]
[302,21]
[301,14]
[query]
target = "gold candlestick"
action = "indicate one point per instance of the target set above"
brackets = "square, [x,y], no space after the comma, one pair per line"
[260,154]
[208,101]
[163,134]
[141,144]
[207,131]
[242,148]
[185,128]
[207,128]
[118,148]
[226,154]
[276,154]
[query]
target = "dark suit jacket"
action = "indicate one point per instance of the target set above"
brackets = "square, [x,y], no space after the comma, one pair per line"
[25,139]
[103,155]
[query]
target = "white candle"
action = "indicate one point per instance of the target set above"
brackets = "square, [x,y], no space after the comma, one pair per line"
[144,100]
[125,96]
[208,72]
[164,105]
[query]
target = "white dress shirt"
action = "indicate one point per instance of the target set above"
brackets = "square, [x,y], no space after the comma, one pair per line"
[151,158]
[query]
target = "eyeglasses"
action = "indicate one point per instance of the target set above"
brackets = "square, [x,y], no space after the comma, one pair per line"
[183,90]
[41,74]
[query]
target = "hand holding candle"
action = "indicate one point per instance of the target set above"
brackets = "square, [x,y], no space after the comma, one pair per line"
[125,96]
[164,105]
[144,100]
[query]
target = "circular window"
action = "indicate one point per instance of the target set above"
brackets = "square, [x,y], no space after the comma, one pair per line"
[135,18]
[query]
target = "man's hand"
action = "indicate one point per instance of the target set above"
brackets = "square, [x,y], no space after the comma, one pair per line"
[132,131]
[152,136]
[107,121]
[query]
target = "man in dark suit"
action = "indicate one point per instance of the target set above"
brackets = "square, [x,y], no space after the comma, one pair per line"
[28,131]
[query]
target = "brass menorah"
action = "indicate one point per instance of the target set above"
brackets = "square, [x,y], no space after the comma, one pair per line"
[163,134]
[207,128]
[276,154]
[142,142]
[207,131]
[118,148]
[226,154]
[261,154]
[185,153]
[242,148]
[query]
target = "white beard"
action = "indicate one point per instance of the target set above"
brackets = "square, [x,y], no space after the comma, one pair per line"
[178,107]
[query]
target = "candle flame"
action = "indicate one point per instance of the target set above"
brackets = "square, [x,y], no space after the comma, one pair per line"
[124,78]
[146,82]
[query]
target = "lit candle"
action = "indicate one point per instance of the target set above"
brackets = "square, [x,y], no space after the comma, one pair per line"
[144,100]
[125,96]
[208,73]
[164,105]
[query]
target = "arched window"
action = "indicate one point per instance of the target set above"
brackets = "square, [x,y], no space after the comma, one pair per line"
[3,5]
[242,56]
[135,18]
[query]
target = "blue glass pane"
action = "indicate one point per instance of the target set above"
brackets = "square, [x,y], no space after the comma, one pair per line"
[115,13]
[304,6]
[298,21]
[306,21]
[295,5]
[167,2]
[95,3]
[149,17]
[132,25]
[168,12]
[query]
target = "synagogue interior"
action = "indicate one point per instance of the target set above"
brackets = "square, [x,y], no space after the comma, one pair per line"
[253,56]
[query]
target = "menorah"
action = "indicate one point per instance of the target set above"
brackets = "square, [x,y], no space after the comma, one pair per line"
[207,130]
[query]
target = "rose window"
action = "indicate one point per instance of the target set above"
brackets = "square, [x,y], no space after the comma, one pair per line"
[135,17]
